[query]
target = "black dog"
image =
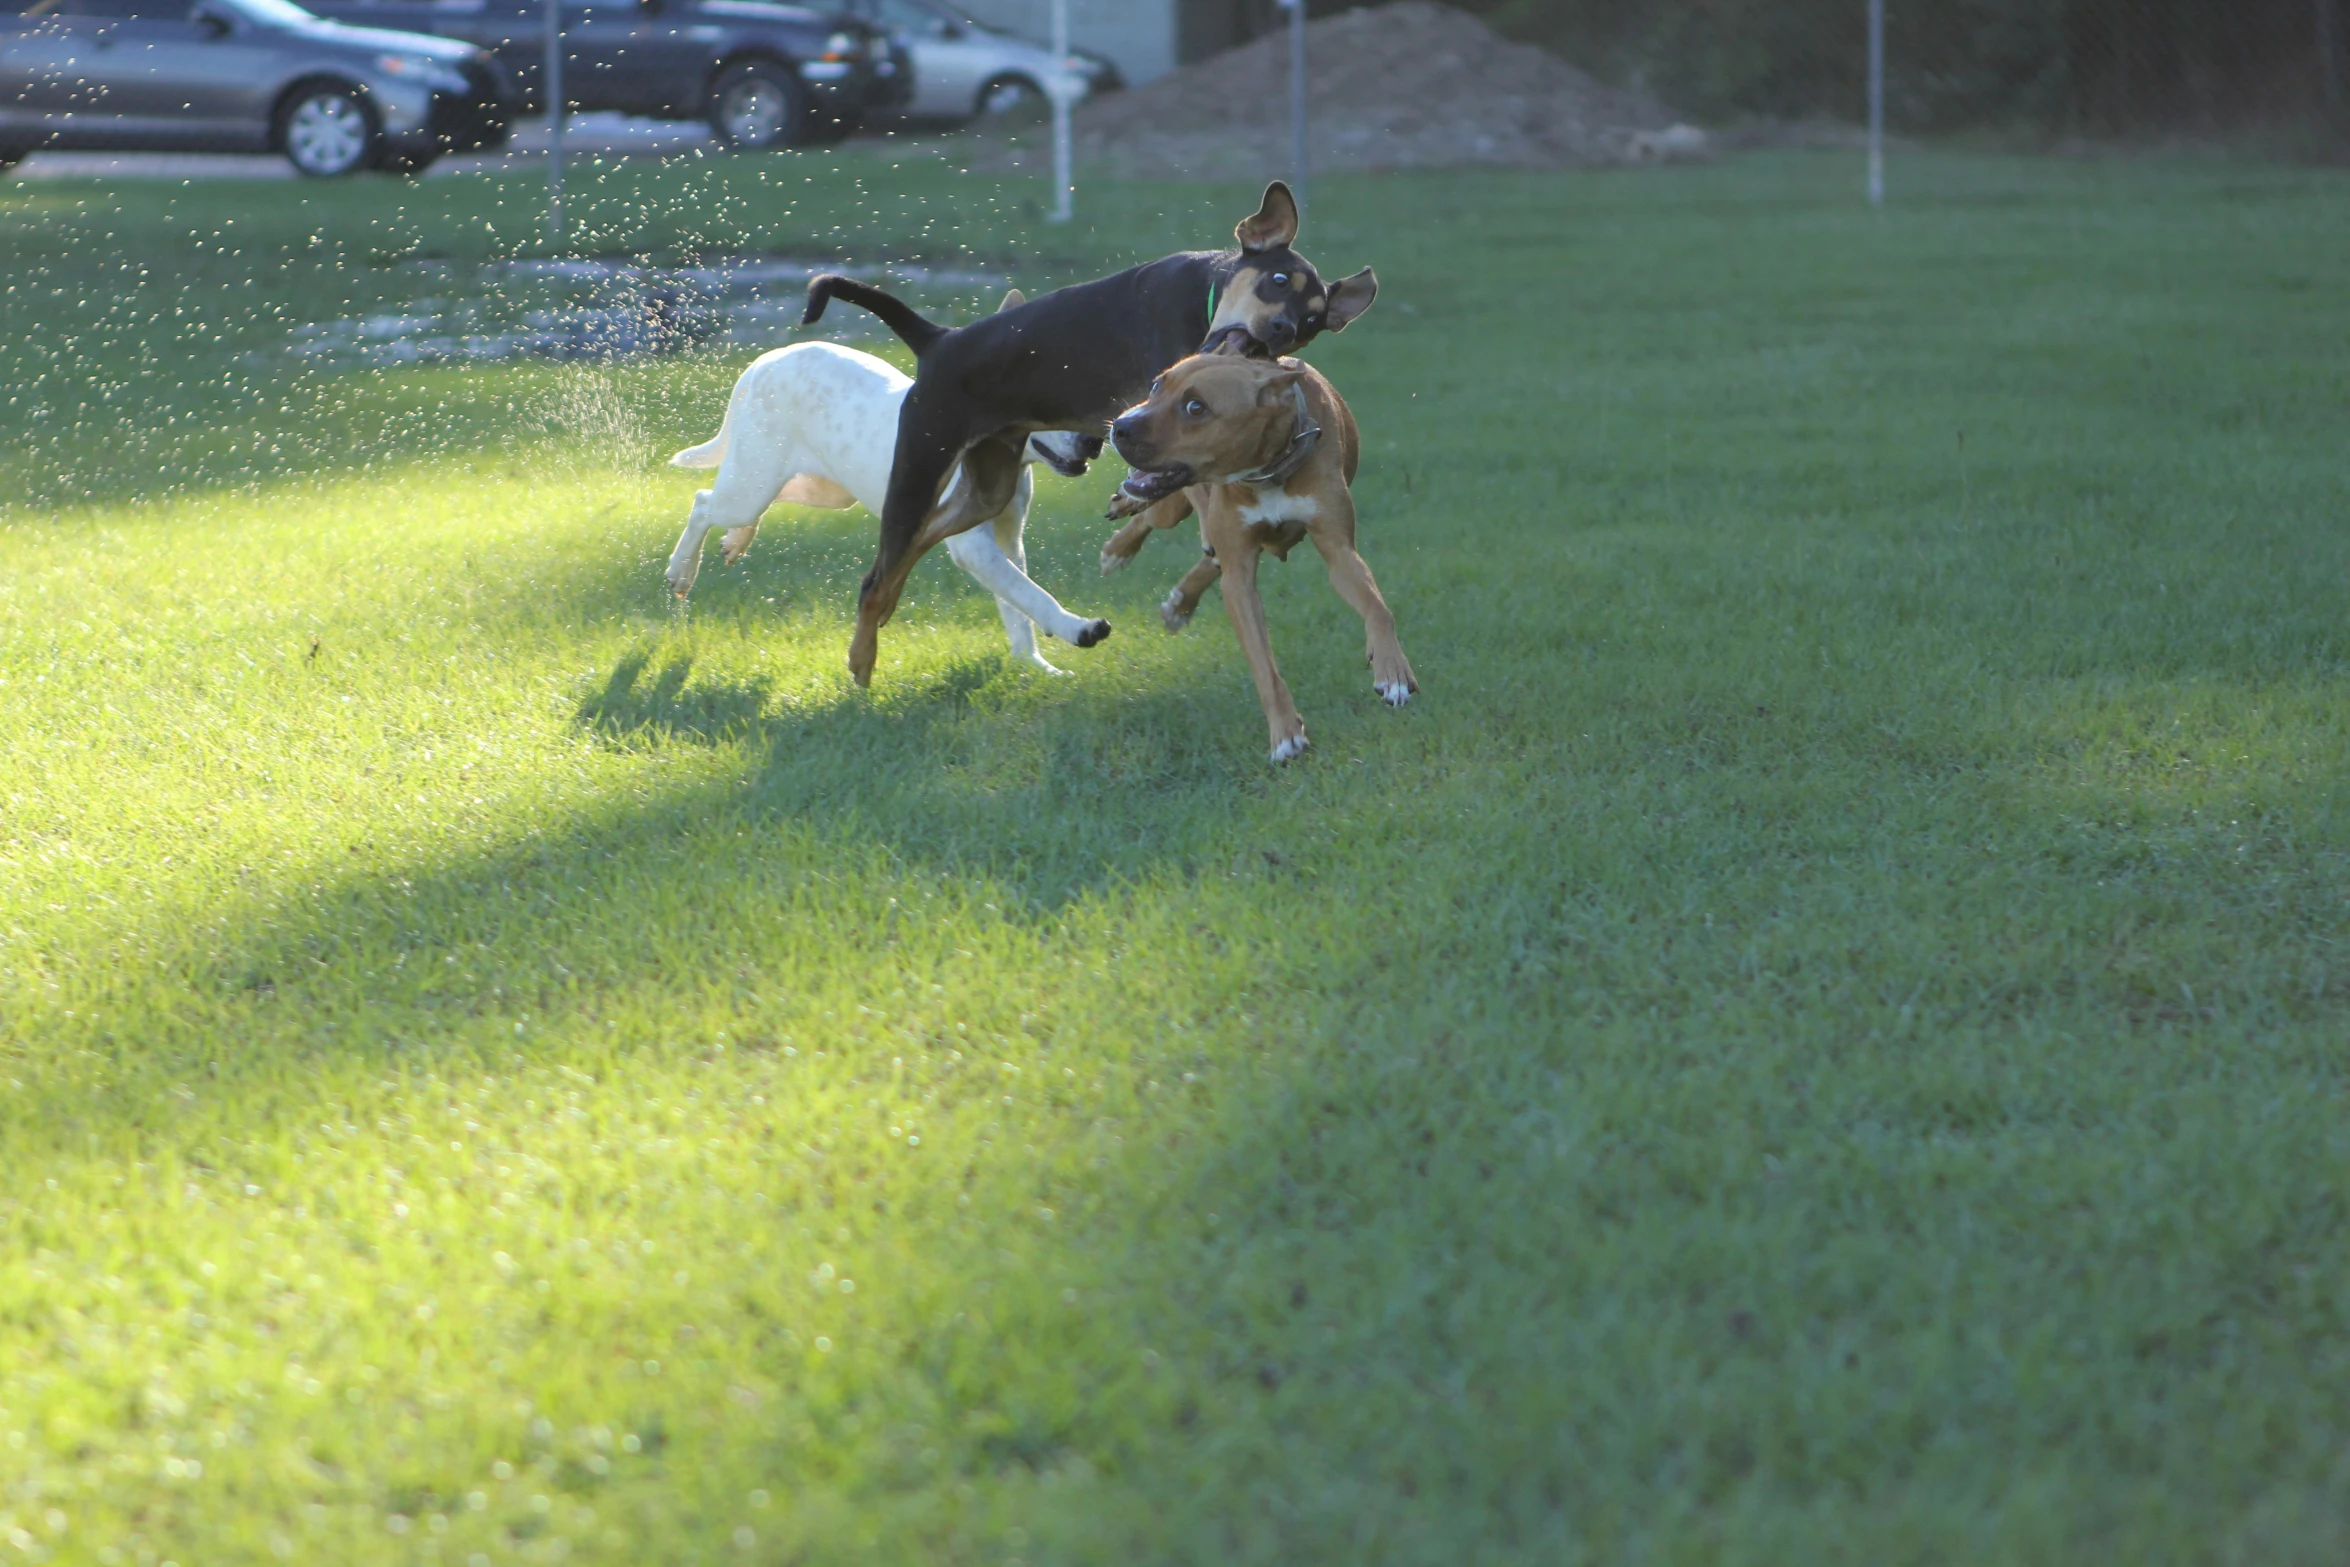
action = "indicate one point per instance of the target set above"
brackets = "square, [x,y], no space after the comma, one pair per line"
[1069,360]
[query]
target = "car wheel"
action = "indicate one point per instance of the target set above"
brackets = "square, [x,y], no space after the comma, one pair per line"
[1010,95]
[755,106]
[407,162]
[327,130]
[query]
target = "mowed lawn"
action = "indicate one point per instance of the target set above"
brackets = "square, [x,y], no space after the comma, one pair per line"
[1820,1036]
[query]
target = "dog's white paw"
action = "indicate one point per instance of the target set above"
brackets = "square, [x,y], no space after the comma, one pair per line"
[1043,665]
[1172,613]
[1291,748]
[1395,693]
[1111,563]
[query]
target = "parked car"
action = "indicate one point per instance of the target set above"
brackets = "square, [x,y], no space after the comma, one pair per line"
[962,68]
[763,75]
[239,76]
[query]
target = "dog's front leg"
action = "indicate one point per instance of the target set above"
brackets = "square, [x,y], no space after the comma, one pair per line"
[1123,545]
[1019,630]
[981,553]
[1236,553]
[1350,575]
[1182,602]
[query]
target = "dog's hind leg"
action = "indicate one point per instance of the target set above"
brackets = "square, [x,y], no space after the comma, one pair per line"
[750,477]
[685,562]
[927,451]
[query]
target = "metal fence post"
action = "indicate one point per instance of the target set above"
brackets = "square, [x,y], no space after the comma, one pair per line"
[1876,103]
[2329,53]
[554,101]
[1063,205]
[1297,98]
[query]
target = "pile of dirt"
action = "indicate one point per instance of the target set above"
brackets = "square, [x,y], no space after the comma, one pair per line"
[1409,85]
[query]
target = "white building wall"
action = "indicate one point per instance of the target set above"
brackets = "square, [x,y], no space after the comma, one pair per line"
[1138,34]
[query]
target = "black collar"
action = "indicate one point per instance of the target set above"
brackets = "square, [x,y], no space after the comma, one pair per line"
[1302,442]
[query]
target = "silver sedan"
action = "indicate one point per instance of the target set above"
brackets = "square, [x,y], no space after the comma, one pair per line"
[963,68]
[239,76]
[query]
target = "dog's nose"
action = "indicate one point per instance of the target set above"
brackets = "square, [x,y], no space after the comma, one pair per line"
[1124,428]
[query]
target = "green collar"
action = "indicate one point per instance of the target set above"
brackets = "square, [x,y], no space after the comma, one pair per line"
[1212,286]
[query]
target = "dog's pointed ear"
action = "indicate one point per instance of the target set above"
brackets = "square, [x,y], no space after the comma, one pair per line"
[1350,297]
[1286,374]
[1275,222]
[1012,298]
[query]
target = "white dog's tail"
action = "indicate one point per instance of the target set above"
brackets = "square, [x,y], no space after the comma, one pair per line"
[711,452]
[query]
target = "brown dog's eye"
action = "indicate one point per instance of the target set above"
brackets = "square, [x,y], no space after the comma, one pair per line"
[1195,408]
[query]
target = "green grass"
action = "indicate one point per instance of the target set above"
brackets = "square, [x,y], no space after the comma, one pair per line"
[1819,1037]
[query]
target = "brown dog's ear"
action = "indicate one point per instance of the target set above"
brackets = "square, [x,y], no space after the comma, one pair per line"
[1278,383]
[1275,222]
[1350,297]
[1012,297]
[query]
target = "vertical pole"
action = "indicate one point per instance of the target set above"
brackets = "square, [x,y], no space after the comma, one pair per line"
[553,95]
[1063,194]
[1876,103]
[2329,54]
[1297,98]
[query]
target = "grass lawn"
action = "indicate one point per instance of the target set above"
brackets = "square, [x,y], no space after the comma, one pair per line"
[1820,1037]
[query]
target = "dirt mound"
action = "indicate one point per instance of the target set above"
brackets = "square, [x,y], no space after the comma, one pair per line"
[1409,85]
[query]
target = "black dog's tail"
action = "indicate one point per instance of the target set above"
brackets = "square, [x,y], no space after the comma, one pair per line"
[895,313]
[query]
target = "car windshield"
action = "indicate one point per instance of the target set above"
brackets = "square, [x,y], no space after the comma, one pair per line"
[918,15]
[274,13]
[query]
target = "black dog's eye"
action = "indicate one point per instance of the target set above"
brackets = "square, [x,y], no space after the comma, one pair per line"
[1195,408]
[1280,280]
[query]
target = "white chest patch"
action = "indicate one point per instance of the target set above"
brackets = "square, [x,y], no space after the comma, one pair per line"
[1272,505]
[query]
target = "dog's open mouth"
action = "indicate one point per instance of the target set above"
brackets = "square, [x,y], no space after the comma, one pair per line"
[1146,486]
[1068,455]
[1235,340]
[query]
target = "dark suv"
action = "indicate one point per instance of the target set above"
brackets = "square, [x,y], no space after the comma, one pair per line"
[763,75]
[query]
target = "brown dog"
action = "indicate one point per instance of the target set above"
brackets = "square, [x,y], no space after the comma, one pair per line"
[1264,450]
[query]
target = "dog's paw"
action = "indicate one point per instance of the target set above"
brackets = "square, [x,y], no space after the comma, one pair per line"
[1114,562]
[1172,614]
[1091,633]
[736,544]
[1043,665]
[1395,693]
[1291,748]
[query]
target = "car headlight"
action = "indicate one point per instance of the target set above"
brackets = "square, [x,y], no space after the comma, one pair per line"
[843,46]
[418,68]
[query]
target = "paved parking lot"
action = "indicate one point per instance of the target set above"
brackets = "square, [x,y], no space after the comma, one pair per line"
[584,135]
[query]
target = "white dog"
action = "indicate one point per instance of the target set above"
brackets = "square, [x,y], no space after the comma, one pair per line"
[817,424]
